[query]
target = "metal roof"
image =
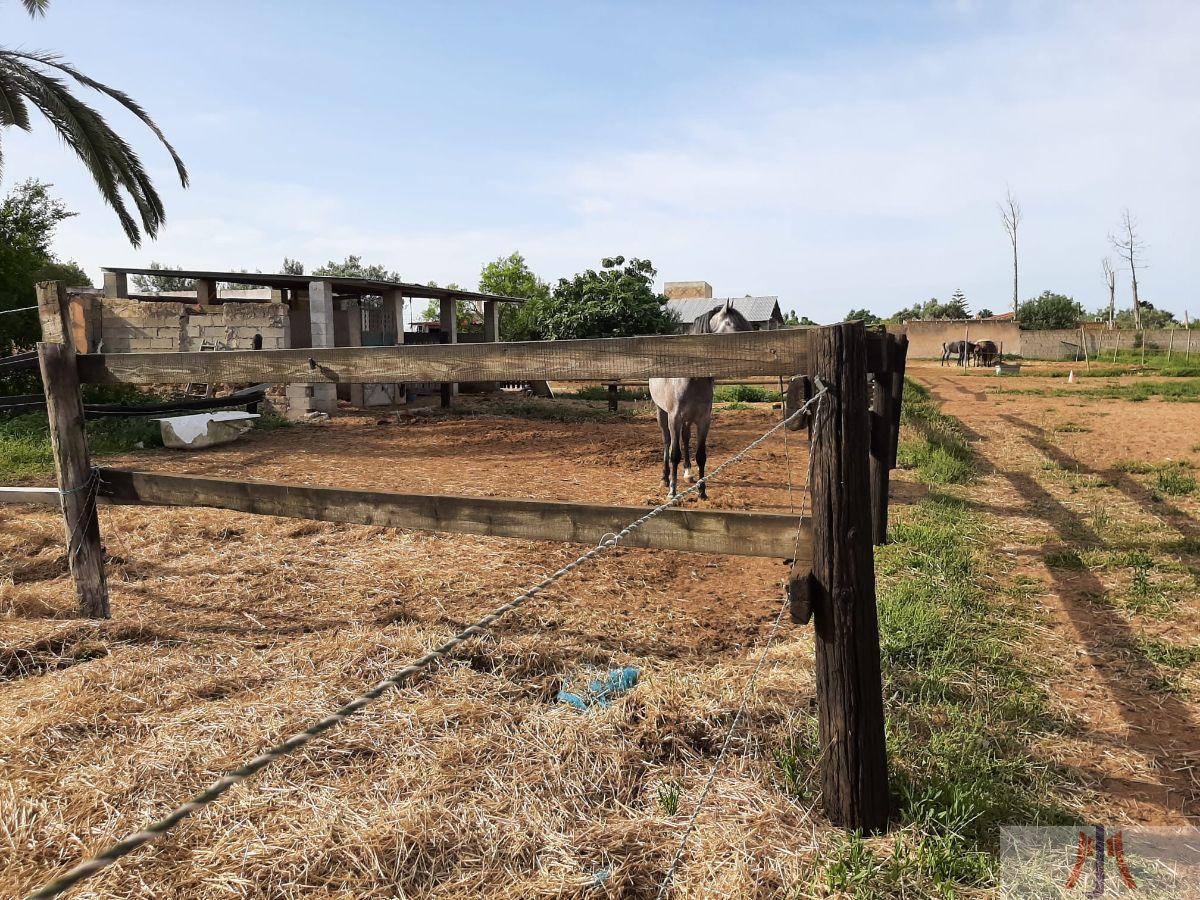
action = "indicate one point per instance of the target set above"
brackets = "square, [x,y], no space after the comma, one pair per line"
[346,287]
[755,309]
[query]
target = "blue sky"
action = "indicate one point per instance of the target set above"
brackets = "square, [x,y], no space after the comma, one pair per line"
[838,155]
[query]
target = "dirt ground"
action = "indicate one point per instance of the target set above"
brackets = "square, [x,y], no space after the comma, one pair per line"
[1057,476]
[231,631]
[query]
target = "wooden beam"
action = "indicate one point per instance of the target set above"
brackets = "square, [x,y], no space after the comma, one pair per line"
[854,777]
[34,496]
[64,405]
[781,352]
[699,531]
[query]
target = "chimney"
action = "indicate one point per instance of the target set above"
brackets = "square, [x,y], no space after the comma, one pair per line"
[688,290]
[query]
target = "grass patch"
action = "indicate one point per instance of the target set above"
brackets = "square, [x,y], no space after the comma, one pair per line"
[599,392]
[553,411]
[744,393]
[737,404]
[25,442]
[1175,481]
[1064,559]
[938,451]
[1186,390]
[1167,655]
[1071,428]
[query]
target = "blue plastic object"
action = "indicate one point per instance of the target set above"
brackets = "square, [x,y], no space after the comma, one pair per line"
[600,691]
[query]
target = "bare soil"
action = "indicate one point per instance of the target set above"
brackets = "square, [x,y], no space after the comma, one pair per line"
[1057,478]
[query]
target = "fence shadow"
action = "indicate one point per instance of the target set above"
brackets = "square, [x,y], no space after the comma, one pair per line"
[1162,727]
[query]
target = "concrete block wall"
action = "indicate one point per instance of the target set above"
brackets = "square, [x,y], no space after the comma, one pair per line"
[925,339]
[135,326]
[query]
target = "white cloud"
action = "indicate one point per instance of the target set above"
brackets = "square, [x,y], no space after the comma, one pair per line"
[867,178]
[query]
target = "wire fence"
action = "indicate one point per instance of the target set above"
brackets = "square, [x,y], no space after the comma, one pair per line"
[94,864]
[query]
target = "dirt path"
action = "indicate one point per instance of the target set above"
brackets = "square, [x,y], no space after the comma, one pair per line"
[1066,507]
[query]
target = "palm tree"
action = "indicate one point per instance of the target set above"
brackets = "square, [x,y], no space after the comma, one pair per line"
[31,78]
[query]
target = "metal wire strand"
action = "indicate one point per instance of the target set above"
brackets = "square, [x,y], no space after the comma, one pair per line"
[91,866]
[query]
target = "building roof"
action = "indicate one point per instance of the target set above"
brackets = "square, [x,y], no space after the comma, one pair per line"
[345,287]
[755,309]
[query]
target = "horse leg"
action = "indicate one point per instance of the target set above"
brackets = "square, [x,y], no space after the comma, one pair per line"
[666,435]
[677,426]
[702,451]
[687,453]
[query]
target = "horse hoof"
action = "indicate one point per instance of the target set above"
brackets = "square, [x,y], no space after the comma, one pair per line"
[689,476]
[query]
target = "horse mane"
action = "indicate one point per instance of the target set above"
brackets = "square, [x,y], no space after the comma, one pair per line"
[703,323]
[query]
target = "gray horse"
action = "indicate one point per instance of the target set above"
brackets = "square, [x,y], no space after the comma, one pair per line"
[686,403]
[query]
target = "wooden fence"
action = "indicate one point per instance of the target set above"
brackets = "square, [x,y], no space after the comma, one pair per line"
[852,432]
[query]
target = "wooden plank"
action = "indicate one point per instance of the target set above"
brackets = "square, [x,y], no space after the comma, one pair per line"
[699,531]
[64,405]
[854,777]
[34,496]
[782,352]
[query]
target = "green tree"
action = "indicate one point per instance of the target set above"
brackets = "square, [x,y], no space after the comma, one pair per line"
[464,310]
[1151,317]
[291,267]
[510,276]
[351,267]
[791,320]
[32,78]
[1050,310]
[862,315]
[617,300]
[158,284]
[933,308]
[984,313]
[28,217]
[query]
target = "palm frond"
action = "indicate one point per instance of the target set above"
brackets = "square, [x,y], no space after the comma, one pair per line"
[112,162]
[35,7]
[114,166]
[56,62]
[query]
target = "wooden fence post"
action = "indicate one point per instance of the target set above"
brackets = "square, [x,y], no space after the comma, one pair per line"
[897,360]
[854,777]
[881,444]
[614,396]
[76,482]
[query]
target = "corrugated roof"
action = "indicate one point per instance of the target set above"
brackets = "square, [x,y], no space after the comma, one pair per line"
[755,309]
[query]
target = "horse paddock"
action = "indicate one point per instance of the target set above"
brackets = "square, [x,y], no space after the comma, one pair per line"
[230,631]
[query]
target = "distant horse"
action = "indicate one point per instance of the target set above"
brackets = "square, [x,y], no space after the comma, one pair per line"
[684,403]
[986,352]
[960,351]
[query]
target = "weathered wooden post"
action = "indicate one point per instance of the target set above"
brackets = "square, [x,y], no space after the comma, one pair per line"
[76,482]
[854,777]
[881,441]
[897,360]
[614,397]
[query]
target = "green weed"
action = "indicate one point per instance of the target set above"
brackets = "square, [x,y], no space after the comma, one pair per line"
[744,393]
[1064,559]
[25,442]
[1175,481]
[669,793]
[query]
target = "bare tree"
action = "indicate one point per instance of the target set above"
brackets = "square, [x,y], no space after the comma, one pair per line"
[1127,243]
[1110,276]
[1010,215]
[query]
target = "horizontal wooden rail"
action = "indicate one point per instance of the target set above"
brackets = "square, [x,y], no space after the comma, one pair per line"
[698,531]
[781,352]
[36,496]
